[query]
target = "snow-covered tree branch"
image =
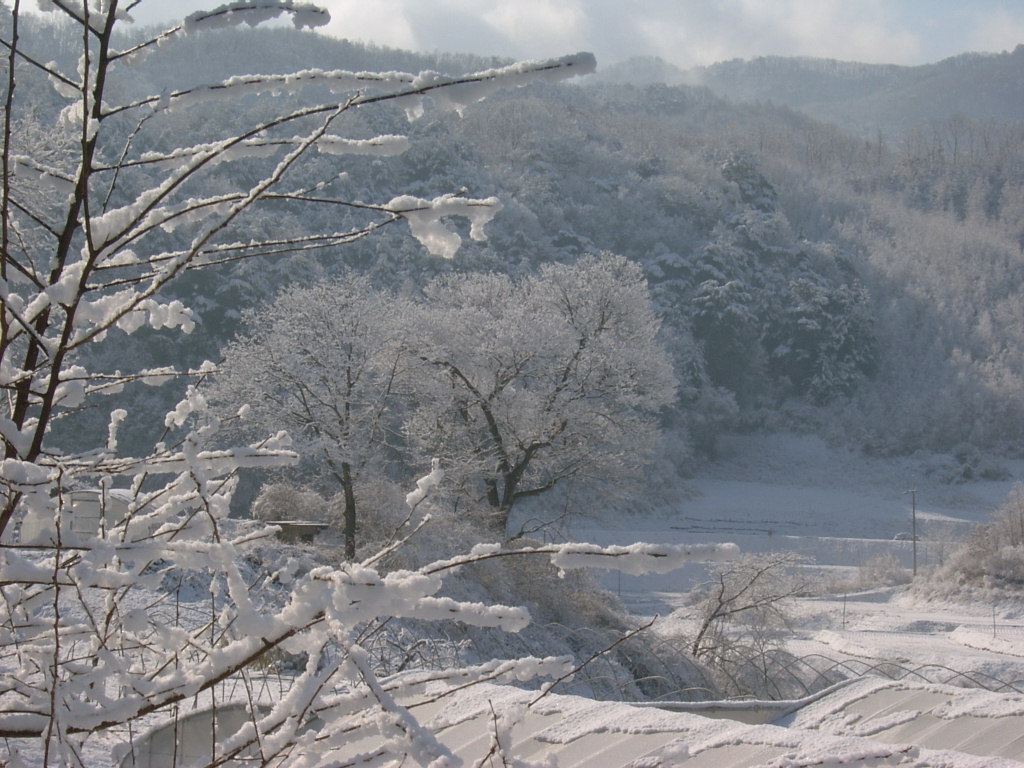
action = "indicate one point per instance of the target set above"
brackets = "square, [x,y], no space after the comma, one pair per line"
[125,589]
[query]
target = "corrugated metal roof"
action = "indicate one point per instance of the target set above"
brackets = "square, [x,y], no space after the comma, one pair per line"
[972,722]
[868,722]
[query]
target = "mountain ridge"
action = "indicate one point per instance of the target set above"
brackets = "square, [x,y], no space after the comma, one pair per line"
[862,98]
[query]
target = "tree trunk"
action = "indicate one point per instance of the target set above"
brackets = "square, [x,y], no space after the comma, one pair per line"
[350,511]
[500,507]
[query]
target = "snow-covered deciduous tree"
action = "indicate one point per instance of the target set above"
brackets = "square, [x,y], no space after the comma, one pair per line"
[742,616]
[754,588]
[121,605]
[518,385]
[322,362]
[558,376]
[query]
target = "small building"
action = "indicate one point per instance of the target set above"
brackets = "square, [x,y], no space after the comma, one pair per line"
[298,531]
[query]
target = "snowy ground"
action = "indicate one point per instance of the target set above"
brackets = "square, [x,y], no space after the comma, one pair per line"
[794,493]
[840,509]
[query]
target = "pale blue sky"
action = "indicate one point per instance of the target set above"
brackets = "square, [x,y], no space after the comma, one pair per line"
[685,32]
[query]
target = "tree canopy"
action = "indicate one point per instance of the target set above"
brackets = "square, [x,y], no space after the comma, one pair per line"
[553,378]
[517,385]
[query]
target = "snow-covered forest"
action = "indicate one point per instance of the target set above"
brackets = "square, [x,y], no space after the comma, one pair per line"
[252,274]
[804,275]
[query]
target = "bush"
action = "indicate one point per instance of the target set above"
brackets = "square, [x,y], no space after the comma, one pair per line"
[882,571]
[285,501]
[992,560]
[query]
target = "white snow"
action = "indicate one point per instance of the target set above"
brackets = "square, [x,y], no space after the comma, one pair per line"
[426,484]
[387,145]
[764,492]
[641,557]
[426,219]
[839,509]
[255,13]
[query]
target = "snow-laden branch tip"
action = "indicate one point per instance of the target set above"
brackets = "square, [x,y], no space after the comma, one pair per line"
[304,15]
[23,476]
[445,92]
[46,178]
[640,558]
[426,219]
[336,81]
[251,12]
[426,484]
[223,462]
[633,559]
[388,145]
[458,93]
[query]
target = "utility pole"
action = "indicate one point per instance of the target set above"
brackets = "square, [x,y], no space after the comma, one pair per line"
[913,523]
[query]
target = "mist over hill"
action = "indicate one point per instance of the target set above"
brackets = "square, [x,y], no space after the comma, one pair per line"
[862,98]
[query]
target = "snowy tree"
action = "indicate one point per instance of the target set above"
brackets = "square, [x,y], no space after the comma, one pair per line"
[778,315]
[323,363]
[519,385]
[822,340]
[743,613]
[100,631]
[558,376]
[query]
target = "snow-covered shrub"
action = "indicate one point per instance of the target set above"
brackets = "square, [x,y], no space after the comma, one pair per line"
[287,501]
[990,564]
[742,620]
[883,570]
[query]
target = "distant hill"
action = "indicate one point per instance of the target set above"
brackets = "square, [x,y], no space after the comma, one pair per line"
[864,98]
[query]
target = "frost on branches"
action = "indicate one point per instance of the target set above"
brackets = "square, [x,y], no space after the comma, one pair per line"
[133,598]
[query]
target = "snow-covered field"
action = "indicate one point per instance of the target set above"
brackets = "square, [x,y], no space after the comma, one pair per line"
[839,509]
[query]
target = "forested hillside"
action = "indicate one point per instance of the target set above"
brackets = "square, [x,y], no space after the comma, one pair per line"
[807,277]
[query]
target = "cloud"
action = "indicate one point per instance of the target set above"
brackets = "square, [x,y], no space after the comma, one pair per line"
[701,33]
[522,29]
[1000,31]
[384,22]
[685,32]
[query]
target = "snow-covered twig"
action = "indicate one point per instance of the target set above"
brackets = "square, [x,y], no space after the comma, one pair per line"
[547,688]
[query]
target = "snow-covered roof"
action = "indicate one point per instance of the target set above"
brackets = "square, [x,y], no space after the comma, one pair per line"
[868,722]
[967,721]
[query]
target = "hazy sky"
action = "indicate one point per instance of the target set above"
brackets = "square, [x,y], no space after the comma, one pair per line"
[685,32]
